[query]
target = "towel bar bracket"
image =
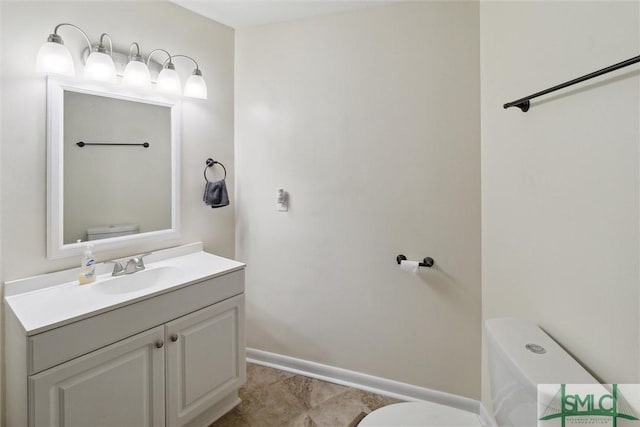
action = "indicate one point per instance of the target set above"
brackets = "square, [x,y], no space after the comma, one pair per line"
[523,106]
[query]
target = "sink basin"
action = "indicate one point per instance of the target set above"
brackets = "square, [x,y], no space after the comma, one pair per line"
[137,281]
[43,303]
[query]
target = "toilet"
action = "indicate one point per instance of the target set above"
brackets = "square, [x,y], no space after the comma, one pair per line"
[419,414]
[108,231]
[521,356]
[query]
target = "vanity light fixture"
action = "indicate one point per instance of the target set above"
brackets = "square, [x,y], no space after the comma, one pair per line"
[99,65]
[136,73]
[168,79]
[54,57]
[195,87]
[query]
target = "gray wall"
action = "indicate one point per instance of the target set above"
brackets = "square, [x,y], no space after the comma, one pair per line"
[560,184]
[370,120]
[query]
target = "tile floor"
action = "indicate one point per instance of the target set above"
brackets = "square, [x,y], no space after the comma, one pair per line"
[276,398]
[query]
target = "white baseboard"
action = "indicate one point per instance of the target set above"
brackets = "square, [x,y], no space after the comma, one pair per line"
[486,418]
[382,386]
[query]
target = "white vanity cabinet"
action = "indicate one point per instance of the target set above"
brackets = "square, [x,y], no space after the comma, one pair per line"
[203,360]
[119,385]
[174,357]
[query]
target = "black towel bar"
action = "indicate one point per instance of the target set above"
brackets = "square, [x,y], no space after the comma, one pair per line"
[141,144]
[523,103]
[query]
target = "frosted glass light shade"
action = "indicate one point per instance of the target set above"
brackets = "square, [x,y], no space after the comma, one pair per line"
[169,82]
[55,58]
[136,75]
[195,87]
[100,67]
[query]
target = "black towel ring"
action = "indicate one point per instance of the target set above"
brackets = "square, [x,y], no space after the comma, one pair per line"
[210,162]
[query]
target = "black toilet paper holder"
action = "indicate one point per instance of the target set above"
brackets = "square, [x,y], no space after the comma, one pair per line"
[427,262]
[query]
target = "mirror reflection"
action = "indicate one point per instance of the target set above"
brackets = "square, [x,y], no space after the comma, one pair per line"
[114,185]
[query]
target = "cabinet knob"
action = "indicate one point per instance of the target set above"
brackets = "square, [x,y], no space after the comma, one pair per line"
[159,344]
[174,337]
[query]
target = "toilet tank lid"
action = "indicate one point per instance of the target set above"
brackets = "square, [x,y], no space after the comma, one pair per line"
[510,336]
[104,229]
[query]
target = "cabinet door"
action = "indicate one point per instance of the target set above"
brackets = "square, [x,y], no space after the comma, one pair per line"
[205,359]
[121,385]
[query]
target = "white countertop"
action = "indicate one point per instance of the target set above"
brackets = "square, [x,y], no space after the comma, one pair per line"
[55,305]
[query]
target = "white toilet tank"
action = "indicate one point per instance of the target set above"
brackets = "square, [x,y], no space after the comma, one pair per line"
[108,231]
[521,356]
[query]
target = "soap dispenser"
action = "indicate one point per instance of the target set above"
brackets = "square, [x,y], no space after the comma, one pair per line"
[87,267]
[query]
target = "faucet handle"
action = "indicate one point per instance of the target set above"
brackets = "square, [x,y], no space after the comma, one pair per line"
[140,261]
[117,268]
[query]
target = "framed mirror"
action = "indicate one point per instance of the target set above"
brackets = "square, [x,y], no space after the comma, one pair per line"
[113,168]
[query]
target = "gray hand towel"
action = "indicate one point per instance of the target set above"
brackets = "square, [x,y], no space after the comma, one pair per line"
[215,194]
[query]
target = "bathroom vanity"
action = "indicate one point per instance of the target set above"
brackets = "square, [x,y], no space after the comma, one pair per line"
[160,347]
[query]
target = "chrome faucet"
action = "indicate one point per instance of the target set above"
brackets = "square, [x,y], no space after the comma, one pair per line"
[133,265]
[118,269]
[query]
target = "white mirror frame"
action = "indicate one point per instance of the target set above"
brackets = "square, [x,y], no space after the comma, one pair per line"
[55,172]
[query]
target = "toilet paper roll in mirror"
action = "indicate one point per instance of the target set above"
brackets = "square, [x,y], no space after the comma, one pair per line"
[411,266]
